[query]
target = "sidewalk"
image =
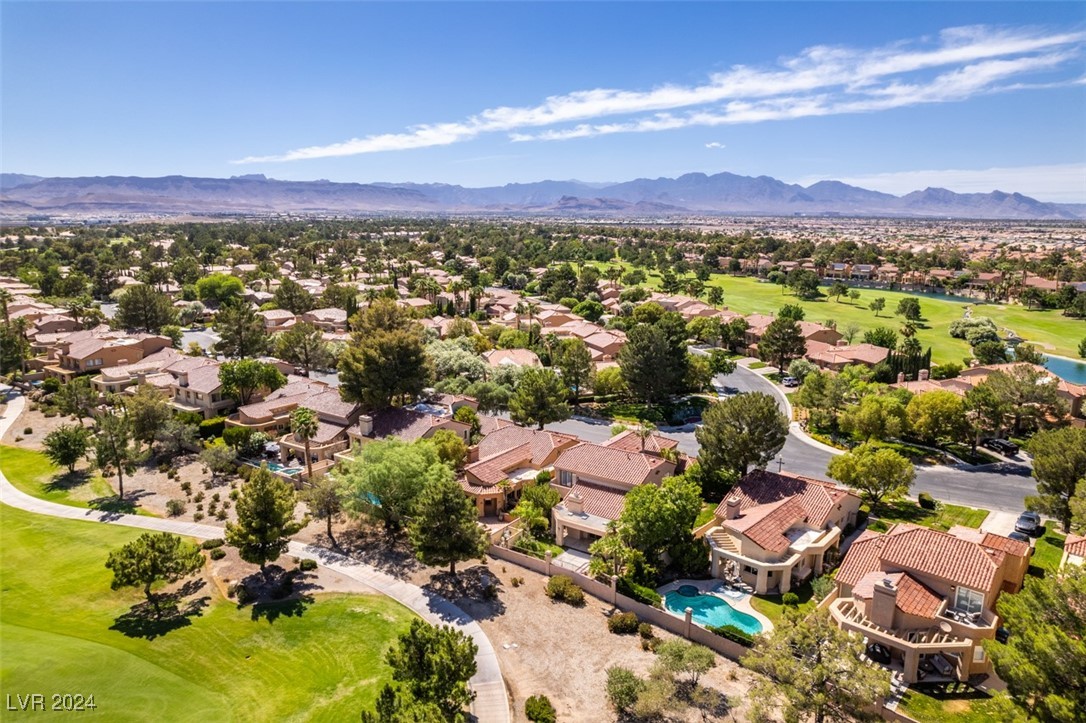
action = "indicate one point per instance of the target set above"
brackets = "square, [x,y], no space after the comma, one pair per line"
[491,702]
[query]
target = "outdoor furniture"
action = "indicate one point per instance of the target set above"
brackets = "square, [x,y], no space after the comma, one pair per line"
[941,665]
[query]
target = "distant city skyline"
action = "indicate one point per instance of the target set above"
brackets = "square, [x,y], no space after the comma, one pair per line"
[893,97]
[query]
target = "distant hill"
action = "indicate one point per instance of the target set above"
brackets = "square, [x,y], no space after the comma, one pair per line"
[692,193]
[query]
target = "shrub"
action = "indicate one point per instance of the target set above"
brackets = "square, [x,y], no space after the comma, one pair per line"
[244,471]
[563,589]
[216,497]
[515,581]
[926,501]
[544,477]
[49,414]
[218,553]
[199,506]
[645,630]
[221,515]
[733,633]
[539,709]
[186,487]
[212,543]
[50,385]
[623,623]
[175,507]
[210,428]
[28,430]
[622,687]
[640,593]
[307,565]
[199,497]
[790,599]
[236,437]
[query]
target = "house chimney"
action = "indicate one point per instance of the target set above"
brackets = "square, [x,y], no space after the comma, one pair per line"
[731,511]
[924,374]
[575,503]
[842,342]
[183,379]
[365,425]
[883,602]
[901,377]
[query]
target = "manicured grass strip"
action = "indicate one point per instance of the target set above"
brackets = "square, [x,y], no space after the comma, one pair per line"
[706,514]
[321,660]
[32,472]
[1048,551]
[942,518]
[927,705]
[773,607]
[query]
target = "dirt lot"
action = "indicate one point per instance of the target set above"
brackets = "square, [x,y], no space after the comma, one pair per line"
[39,424]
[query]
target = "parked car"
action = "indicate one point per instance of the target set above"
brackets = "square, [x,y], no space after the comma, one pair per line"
[1003,635]
[790,382]
[1028,523]
[1020,536]
[1001,445]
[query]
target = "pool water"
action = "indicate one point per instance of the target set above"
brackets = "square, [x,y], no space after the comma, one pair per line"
[709,609]
[277,467]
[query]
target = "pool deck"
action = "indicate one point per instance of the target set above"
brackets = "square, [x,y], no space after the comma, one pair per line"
[710,587]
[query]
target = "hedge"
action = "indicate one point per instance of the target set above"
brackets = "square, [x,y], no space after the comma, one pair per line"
[732,633]
[642,594]
[213,427]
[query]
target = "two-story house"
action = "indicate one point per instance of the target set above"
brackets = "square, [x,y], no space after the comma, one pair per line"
[596,478]
[928,597]
[95,353]
[773,531]
[505,460]
[334,417]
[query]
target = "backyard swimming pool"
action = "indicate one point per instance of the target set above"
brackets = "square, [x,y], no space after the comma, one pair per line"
[709,609]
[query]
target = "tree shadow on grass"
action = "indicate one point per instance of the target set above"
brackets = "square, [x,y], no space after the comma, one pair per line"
[67,482]
[174,612]
[292,608]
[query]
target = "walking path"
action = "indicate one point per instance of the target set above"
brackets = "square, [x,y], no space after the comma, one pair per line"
[491,702]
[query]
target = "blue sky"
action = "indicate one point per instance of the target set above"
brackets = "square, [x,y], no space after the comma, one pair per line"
[895,96]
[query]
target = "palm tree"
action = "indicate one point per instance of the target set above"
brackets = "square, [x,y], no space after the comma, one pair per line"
[5,297]
[531,307]
[645,431]
[303,423]
[521,309]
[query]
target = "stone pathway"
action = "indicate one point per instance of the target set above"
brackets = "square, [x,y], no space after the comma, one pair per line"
[491,703]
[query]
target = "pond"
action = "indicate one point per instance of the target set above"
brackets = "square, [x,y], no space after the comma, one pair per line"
[1069,369]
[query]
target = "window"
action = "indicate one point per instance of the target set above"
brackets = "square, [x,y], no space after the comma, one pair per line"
[967,600]
[978,654]
[565,478]
[749,569]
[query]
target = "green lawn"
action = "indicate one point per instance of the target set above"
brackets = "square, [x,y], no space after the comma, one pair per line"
[58,633]
[930,706]
[773,608]
[706,514]
[1048,551]
[1053,331]
[942,518]
[31,472]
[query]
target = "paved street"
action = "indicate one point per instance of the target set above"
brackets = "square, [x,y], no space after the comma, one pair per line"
[1002,486]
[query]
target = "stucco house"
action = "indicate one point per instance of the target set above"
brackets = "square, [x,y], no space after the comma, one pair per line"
[505,460]
[927,596]
[596,478]
[776,530]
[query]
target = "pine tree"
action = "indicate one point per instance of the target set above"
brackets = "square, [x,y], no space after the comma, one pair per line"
[446,527]
[150,558]
[265,519]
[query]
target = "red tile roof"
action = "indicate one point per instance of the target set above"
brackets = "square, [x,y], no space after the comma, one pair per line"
[612,465]
[922,550]
[913,597]
[765,525]
[628,441]
[1075,545]
[818,497]
[601,501]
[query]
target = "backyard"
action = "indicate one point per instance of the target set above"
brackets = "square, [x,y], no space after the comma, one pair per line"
[70,633]
[1048,550]
[931,705]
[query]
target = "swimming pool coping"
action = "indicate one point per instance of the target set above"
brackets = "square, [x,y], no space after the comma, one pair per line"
[707,587]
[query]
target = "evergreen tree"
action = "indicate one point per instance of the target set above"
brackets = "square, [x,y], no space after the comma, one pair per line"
[575,362]
[818,670]
[325,500]
[143,308]
[293,297]
[241,330]
[781,342]
[1059,463]
[378,366]
[540,398]
[150,558]
[114,447]
[266,521]
[648,364]
[76,398]
[303,346]
[740,432]
[445,528]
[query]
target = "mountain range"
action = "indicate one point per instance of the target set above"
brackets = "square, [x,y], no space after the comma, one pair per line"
[690,194]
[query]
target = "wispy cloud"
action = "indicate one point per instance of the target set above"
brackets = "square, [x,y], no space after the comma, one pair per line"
[1062,182]
[822,80]
[715,144]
